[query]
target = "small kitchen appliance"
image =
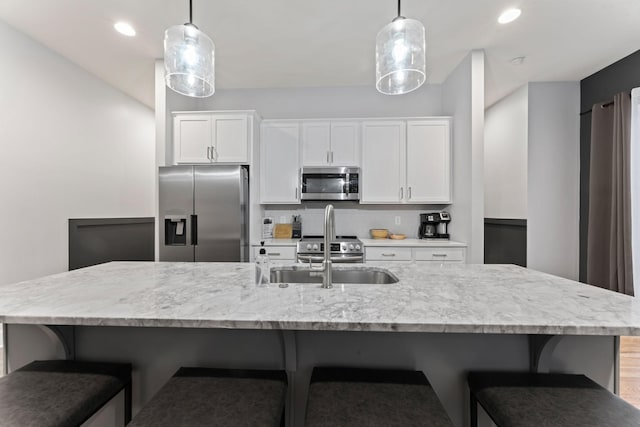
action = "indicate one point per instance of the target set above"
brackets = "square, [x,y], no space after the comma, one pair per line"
[330,183]
[434,225]
[344,249]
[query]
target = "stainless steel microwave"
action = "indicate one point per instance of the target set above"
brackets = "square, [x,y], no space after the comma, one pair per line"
[330,183]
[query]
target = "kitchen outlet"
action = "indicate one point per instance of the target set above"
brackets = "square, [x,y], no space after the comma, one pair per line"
[283,219]
[397,220]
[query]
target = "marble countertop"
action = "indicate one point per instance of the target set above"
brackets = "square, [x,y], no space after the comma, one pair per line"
[277,242]
[378,242]
[450,298]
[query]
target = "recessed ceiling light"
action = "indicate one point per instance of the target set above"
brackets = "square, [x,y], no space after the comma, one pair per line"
[509,15]
[124,28]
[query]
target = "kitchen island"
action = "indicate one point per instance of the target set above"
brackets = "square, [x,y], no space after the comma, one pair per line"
[443,320]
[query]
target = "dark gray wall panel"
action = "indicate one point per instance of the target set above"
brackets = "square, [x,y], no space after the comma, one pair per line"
[505,241]
[98,240]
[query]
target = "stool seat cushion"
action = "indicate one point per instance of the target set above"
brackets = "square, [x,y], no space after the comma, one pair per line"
[217,397]
[371,397]
[541,400]
[59,393]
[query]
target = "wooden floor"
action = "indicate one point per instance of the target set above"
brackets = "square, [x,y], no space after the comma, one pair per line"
[630,370]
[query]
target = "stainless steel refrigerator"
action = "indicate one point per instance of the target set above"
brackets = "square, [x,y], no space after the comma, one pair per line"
[204,213]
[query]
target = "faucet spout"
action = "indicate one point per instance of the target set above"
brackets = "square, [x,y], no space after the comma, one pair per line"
[329,236]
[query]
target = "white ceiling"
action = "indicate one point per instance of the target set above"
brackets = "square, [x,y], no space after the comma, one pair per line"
[303,43]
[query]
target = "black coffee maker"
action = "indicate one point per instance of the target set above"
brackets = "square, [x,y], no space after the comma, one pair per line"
[434,225]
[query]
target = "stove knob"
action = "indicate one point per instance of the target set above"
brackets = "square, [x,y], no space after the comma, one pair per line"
[351,246]
[357,247]
[308,246]
[344,247]
[315,246]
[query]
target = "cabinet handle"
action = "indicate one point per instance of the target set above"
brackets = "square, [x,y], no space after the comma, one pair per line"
[409,193]
[327,157]
[332,157]
[296,194]
[273,253]
[401,193]
[208,153]
[214,154]
[440,255]
[388,254]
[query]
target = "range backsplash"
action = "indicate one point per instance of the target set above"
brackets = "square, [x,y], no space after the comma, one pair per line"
[355,219]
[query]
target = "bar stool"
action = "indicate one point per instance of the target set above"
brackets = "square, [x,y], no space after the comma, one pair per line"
[61,393]
[356,397]
[559,400]
[217,397]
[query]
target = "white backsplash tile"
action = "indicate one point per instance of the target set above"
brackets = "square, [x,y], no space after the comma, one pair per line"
[355,219]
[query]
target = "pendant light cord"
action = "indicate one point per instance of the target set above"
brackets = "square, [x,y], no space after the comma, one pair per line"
[191,11]
[398,8]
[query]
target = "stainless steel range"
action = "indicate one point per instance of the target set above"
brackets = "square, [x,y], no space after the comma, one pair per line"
[343,249]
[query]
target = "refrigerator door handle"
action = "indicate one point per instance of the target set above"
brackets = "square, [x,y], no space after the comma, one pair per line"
[194,229]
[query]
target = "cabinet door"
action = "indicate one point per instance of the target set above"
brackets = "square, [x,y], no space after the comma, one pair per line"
[279,163]
[231,140]
[316,137]
[383,161]
[345,144]
[428,161]
[192,138]
[440,254]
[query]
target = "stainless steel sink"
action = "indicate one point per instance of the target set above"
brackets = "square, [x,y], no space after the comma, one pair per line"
[360,275]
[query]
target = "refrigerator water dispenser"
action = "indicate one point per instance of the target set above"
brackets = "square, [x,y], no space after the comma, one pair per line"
[175,230]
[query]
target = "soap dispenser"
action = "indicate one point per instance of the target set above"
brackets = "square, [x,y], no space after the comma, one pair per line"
[263,267]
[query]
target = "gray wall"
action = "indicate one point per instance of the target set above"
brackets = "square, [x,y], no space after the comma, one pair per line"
[505,156]
[553,178]
[72,147]
[354,101]
[463,99]
[599,87]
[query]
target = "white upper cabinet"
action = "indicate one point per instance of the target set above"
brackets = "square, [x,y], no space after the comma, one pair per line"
[279,163]
[316,143]
[211,137]
[406,161]
[330,143]
[230,142]
[345,143]
[428,161]
[192,136]
[383,161]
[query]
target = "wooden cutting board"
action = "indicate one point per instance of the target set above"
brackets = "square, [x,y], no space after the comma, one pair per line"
[282,231]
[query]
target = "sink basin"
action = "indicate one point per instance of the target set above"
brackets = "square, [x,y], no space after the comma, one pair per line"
[360,275]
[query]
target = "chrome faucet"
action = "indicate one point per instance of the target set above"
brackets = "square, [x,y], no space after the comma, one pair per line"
[329,236]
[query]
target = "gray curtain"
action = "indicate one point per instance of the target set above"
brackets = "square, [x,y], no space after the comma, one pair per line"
[609,262]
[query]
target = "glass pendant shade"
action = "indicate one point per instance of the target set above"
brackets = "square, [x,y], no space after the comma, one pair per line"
[400,57]
[189,61]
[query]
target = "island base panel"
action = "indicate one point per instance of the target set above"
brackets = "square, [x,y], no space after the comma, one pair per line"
[157,353]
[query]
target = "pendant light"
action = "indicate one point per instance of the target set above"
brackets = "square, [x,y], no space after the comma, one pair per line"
[400,56]
[189,58]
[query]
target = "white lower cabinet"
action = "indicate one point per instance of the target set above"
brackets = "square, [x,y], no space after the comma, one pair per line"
[440,254]
[387,254]
[278,253]
[421,254]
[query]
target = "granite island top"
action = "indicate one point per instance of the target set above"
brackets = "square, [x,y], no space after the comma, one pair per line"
[450,298]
